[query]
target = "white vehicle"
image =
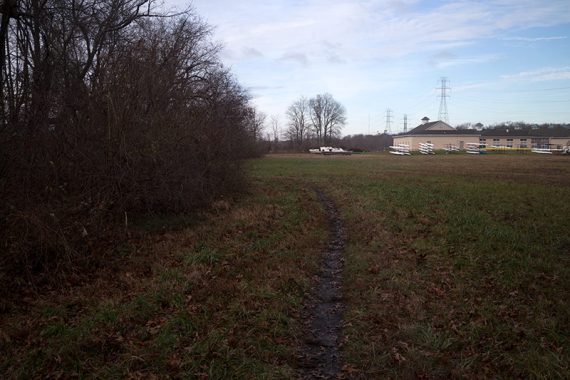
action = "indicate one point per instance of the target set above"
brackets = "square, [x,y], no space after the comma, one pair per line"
[400,150]
[328,150]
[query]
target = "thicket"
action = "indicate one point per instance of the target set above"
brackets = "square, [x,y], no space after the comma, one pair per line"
[371,143]
[108,111]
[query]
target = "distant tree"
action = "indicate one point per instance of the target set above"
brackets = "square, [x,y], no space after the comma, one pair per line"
[298,122]
[274,120]
[256,123]
[328,117]
[377,142]
[464,126]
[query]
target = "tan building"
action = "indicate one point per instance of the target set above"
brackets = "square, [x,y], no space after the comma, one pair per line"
[443,135]
[558,142]
[438,133]
[538,137]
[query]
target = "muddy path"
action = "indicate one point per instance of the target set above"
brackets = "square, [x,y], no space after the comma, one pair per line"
[322,314]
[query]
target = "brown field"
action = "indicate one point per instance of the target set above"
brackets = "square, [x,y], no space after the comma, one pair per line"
[455,266]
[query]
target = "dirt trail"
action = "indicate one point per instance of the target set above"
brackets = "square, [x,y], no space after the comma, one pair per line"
[322,314]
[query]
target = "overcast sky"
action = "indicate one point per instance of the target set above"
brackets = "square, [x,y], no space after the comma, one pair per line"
[505,59]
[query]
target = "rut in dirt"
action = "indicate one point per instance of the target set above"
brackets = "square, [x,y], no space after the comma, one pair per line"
[322,315]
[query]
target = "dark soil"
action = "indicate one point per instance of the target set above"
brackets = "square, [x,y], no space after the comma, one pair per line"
[322,314]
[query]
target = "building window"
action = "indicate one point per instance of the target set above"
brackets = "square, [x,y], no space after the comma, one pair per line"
[523,143]
[496,142]
[539,142]
[509,143]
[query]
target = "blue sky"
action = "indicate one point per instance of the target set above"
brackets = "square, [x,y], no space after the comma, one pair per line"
[505,59]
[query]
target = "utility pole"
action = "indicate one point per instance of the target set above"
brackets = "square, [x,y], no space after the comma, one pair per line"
[443,115]
[388,121]
[405,123]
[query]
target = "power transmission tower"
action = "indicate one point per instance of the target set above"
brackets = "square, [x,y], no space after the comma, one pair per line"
[443,115]
[388,121]
[405,123]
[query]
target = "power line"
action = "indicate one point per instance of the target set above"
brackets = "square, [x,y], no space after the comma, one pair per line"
[478,107]
[388,121]
[539,89]
[443,114]
[420,102]
[494,100]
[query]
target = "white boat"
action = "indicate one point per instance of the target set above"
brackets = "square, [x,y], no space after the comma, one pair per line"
[451,148]
[400,150]
[473,148]
[328,150]
[426,148]
[541,150]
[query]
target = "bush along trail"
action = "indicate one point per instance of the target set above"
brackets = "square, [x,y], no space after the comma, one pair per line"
[320,349]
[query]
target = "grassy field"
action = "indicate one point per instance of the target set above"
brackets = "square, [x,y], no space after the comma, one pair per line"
[217,297]
[456,266]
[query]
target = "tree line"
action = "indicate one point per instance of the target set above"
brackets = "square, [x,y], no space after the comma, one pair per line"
[109,110]
[511,124]
[319,121]
[315,121]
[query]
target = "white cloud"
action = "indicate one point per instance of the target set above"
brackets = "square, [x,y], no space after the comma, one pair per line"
[445,59]
[543,74]
[370,29]
[534,39]
[249,52]
[296,57]
[370,54]
[469,86]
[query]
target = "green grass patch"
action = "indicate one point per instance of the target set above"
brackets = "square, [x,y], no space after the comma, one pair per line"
[217,298]
[456,266]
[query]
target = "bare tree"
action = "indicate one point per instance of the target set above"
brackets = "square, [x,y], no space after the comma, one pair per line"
[298,121]
[256,123]
[107,110]
[53,50]
[328,117]
[275,129]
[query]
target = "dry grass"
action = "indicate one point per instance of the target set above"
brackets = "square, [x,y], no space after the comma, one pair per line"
[217,299]
[456,266]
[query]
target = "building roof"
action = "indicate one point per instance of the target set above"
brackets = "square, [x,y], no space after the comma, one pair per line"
[508,132]
[422,127]
[527,132]
[451,132]
[439,128]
